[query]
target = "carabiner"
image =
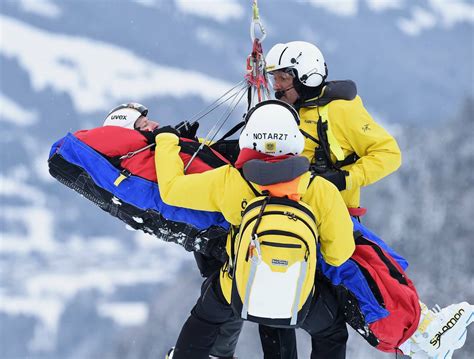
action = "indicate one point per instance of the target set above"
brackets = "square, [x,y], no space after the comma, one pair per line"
[256,22]
[253,25]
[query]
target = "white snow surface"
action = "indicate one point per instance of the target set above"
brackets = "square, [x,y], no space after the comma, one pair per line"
[46,8]
[74,265]
[14,185]
[440,13]
[338,7]
[97,75]
[220,11]
[436,13]
[421,20]
[210,37]
[453,11]
[12,112]
[383,5]
[125,313]
[147,3]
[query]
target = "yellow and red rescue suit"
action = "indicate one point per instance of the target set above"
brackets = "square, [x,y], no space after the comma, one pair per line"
[225,190]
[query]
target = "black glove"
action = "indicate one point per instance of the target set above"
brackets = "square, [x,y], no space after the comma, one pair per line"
[150,135]
[219,252]
[166,129]
[211,243]
[207,265]
[187,130]
[337,178]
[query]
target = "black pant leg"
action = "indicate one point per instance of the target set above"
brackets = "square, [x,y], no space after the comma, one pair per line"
[201,329]
[196,339]
[278,343]
[330,343]
[326,325]
[226,341]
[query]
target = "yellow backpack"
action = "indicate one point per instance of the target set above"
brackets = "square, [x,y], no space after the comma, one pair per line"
[274,262]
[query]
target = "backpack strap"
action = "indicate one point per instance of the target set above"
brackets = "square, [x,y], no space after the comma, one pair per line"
[254,241]
[307,135]
[352,158]
[235,229]
[332,143]
[252,187]
[321,130]
[205,154]
[234,232]
[232,131]
[229,148]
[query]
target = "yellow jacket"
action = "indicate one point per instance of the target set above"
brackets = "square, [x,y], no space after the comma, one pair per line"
[225,190]
[354,131]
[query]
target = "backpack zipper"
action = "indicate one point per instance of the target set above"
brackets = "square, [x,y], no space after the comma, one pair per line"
[287,234]
[280,245]
[282,201]
[285,213]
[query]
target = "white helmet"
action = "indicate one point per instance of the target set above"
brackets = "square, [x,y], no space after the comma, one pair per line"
[125,115]
[272,128]
[304,58]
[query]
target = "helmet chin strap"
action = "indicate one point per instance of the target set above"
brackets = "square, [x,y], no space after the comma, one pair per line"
[281,93]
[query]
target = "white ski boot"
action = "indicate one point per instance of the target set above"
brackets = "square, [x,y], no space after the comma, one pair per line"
[441,331]
[169,355]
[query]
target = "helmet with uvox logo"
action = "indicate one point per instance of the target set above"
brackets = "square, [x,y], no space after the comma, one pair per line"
[272,128]
[125,115]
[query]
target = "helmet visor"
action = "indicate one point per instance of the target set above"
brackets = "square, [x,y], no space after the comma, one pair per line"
[282,74]
[284,77]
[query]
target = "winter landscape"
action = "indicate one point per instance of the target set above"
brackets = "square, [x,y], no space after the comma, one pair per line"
[75,283]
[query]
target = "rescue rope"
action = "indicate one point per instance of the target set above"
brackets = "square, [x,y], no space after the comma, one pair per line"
[133,153]
[256,83]
[220,101]
[217,127]
[196,117]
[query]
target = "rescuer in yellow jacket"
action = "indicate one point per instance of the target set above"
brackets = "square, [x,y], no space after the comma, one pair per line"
[224,189]
[348,147]
[342,141]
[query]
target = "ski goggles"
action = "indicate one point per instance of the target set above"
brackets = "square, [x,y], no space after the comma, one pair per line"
[136,106]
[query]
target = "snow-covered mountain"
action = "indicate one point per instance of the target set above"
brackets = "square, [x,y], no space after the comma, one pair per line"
[76,284]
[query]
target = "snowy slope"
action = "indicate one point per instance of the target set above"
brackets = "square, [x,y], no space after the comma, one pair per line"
[383,56]
[75,64]
[75,284]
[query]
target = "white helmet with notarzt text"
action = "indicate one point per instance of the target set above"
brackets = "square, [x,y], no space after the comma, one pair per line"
[272,128]
[305,59]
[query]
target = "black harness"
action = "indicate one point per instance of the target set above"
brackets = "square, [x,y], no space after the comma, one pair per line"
[322,161]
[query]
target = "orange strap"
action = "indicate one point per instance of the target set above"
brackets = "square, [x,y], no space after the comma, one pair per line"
[284,189]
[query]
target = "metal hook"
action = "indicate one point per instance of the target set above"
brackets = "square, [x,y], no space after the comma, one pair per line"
[256,22]
[253,26]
